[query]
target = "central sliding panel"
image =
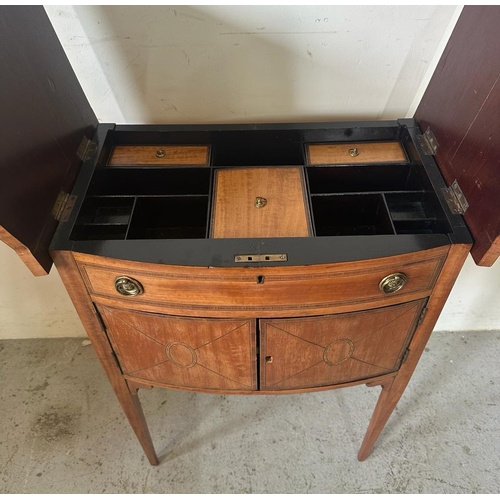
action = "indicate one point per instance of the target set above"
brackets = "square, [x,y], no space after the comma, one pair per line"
[265,202]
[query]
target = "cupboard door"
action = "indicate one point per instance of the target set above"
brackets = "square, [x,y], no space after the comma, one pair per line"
[184,352]
[328,350]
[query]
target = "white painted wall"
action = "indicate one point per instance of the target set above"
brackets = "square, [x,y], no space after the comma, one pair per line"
[33,307]
[164,64]
[242,64]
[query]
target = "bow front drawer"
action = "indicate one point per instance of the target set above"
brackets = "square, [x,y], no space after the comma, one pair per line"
[264,291]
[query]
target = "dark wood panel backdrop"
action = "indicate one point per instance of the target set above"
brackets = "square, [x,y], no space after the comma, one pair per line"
[44,116]
[462,107]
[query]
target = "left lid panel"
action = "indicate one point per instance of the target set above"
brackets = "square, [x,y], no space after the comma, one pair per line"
[45,115]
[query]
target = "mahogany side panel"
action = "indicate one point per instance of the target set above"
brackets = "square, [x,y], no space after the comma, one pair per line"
[23,252]
[393,390]
[461,107]
[45,115]
[129,401]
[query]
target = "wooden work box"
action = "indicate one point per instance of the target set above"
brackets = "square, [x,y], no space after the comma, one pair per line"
[250,259]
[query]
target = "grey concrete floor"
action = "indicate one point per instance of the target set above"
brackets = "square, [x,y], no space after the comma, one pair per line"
[63,431]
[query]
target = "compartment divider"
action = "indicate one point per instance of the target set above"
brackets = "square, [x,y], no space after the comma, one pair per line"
[389,213]
[131,216]
[309,197]
[210,202]
[366,192]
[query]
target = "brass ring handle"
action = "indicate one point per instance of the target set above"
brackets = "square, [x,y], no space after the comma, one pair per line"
[354,152]
[260,202]
[128,286]
[160,153]
[393,282]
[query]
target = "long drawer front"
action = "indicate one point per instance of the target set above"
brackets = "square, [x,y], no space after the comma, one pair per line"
[263,292]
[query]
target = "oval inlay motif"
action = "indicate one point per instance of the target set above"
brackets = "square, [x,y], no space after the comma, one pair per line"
[337,352]
[180,354]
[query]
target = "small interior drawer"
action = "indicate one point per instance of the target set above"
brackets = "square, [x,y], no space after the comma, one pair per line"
[355,153]
[159,155]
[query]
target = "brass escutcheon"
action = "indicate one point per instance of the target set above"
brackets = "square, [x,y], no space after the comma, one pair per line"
[354,152]
[393,282]
[160,153]
[128,286]
[260,202]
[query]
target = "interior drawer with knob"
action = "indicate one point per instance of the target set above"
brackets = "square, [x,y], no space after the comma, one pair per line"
[162,155]
[356,153]
[264,291]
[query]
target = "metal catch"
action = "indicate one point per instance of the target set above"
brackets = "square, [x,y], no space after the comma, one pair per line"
[267,257]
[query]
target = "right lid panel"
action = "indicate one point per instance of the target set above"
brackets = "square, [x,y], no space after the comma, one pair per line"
[462,107]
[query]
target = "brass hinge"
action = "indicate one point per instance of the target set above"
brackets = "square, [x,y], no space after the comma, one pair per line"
[63,206]
[103,328]
[405,356]
[455,198]
[115,359]
[422,316]
[99,318]
[428,143]
[86,149]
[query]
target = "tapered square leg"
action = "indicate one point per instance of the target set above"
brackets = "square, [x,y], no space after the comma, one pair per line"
[128,398]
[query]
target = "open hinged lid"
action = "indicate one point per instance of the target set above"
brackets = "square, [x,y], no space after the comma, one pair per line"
[461,106]
[45,115]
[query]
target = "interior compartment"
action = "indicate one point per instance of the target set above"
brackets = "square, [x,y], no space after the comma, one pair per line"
[358,179]
[151,181]
[170,218]
[344,215]
[258,148]
[103,219]
[416,213]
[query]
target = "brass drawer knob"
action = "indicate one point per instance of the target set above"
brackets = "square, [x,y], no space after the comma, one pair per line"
[354,152]
[269,359]
[393,282]
[128,286]
[260,202]
[160,153]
